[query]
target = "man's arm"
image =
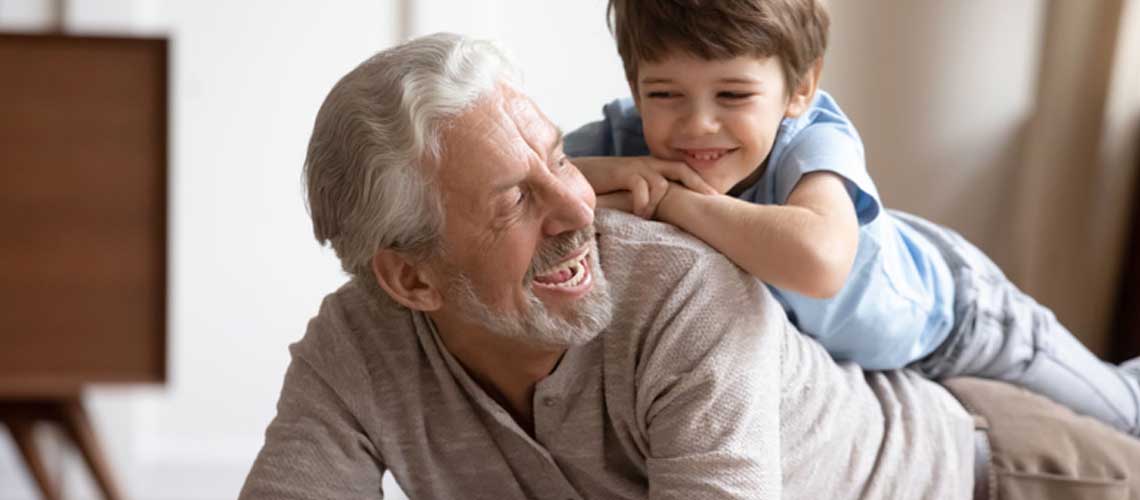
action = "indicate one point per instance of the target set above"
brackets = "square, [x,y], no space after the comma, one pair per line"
[710,392]
[314,448]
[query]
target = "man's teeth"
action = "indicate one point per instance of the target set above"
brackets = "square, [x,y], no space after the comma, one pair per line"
[573,272]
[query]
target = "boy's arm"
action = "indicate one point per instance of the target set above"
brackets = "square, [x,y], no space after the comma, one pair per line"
[806,246]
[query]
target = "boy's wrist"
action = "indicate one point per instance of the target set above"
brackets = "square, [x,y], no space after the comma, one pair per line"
[677,200]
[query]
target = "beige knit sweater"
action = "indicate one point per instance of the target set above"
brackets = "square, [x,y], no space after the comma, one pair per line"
[699,389]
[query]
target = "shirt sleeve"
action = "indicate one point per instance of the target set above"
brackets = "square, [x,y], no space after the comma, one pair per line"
[710,393]
[314,448]
[824,140]
[618,133]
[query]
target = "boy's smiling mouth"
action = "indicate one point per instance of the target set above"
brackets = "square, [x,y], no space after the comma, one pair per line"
[704,157]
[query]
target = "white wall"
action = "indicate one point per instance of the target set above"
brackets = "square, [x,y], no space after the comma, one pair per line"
[566,54]
[246,274]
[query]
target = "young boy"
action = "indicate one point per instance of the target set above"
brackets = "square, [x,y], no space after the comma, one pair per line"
[728,138]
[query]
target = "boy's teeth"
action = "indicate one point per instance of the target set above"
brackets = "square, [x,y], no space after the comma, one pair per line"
[703,155]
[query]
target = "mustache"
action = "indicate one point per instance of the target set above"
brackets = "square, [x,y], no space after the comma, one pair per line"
[554,250]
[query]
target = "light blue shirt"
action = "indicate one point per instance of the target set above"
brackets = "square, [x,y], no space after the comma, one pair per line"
[897,304]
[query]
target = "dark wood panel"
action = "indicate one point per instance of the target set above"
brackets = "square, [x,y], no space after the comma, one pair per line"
[83,197]
[1126,331]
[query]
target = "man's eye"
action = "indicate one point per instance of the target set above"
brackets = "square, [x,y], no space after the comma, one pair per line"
[735,96]
[521,197]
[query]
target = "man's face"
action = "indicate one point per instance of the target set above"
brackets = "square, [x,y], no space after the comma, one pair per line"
[719,117]
[520,257]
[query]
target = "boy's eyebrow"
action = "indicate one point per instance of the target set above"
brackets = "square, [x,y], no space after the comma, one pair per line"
[729,79]
[739,79]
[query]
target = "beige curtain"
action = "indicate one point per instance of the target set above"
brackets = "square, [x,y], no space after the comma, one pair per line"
[1077,175]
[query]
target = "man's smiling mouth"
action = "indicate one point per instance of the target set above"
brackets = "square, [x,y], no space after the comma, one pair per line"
[570,273]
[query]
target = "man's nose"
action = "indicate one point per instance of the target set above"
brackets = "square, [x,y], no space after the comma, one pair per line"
[569,207]
[700,120]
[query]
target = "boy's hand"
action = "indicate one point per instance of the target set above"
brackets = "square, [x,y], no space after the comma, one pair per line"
[646,179]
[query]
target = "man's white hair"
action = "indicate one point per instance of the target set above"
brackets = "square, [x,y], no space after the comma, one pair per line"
[376,143]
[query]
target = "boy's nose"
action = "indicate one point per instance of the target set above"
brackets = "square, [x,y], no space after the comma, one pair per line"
[701,121]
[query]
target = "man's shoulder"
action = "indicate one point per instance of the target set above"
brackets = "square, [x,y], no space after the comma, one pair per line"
[670,287]
[355,326]
[634,248]
[692,333]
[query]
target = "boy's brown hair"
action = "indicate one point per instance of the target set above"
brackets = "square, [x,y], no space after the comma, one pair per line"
[793,30]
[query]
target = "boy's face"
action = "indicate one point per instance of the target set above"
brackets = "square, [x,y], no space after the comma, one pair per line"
[719,117]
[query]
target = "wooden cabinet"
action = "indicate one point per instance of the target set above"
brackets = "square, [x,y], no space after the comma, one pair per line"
[83,227]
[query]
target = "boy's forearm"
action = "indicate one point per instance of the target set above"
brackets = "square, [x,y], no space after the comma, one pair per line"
[786,246]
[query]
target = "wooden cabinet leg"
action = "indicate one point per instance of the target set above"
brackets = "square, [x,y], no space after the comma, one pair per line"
[22,433]
[78,426]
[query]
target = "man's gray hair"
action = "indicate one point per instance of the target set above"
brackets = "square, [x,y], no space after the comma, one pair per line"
[376,143]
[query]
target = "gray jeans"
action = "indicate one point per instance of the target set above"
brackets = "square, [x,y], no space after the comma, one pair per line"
[1003,334]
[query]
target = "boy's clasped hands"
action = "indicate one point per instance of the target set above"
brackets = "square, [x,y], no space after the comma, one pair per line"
[638,184]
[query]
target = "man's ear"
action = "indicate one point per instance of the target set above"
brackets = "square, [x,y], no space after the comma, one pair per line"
[802,95]
[407,281]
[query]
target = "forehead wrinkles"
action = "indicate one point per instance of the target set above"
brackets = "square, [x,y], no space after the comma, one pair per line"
[534,129]
[483,146]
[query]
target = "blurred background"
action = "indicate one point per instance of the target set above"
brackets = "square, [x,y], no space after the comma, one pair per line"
[1015,122]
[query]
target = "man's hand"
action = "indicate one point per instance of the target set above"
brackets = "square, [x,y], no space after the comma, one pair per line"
[637,184]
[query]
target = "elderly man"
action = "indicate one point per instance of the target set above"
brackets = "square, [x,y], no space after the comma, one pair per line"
[498,341]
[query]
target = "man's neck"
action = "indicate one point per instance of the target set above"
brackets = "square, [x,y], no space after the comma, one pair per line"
[506,369]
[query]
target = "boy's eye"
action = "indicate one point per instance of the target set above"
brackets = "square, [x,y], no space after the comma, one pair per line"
[735,95]
[661,94]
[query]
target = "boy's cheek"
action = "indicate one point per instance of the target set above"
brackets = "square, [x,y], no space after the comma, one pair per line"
[655,139]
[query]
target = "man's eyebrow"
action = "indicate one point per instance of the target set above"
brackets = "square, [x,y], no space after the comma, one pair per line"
[512,182]
[559,136]
[499,187]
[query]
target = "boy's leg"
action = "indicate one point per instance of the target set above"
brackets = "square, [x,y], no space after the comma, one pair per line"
[1002,333]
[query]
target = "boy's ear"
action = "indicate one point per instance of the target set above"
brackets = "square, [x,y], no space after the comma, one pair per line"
[407,281]
[802,95]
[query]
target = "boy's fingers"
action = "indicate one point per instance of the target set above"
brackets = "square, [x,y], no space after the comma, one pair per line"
[691,179]
[658,186]
[640,192]
[619,200]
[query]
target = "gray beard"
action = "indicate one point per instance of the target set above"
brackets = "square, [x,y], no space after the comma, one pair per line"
[536,325]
